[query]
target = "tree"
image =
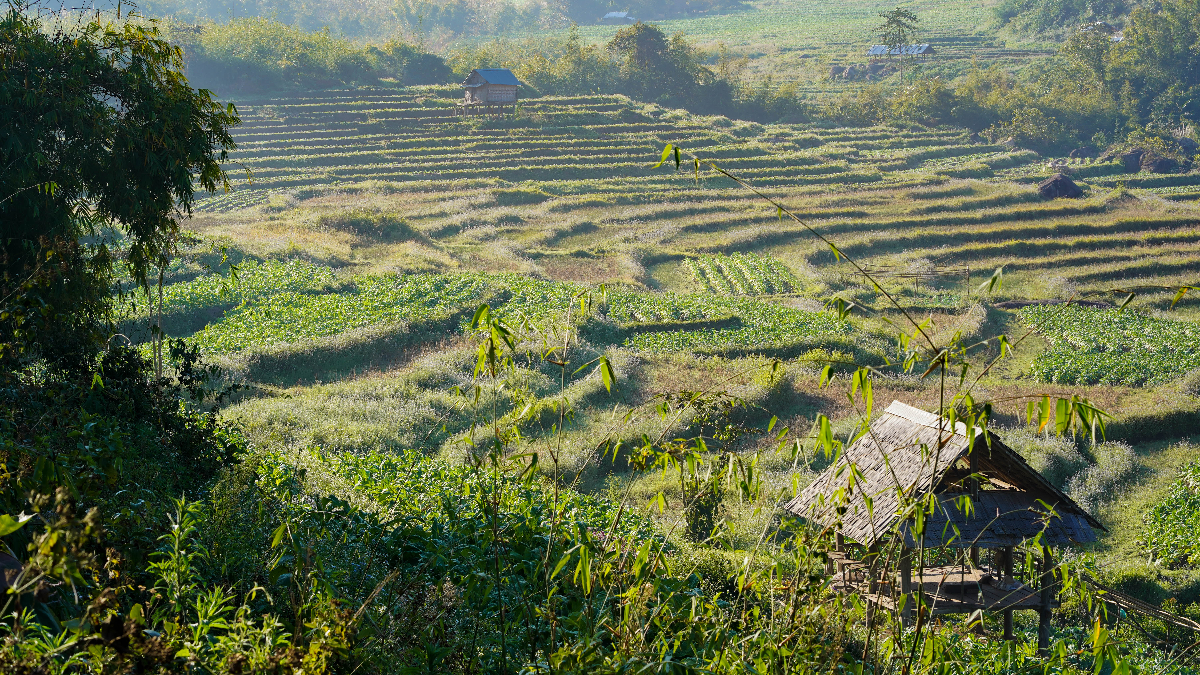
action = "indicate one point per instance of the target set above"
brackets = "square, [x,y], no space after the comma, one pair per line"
[102,143]
[1088,48]
[656,67]
[898,28]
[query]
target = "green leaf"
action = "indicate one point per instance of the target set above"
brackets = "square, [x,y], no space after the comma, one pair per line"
[993,284]
[562,562]
[278,535]
[8,524]
[1128,299]
[480,319]
[606,373]
[1179,296]
[665,154]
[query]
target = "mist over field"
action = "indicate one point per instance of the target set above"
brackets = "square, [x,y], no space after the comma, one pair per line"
[405,336]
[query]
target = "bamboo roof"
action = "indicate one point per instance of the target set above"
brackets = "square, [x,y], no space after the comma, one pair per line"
[908,451]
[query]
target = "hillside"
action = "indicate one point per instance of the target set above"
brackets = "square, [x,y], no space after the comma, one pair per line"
[339,381]
[581,167]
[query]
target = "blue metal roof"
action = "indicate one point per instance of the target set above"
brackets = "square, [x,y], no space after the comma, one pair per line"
[497,76]
[907,50]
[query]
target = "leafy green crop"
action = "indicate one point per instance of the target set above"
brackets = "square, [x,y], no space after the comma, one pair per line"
[289,316]
[1109,346]
[1172,532]
[742,274]
[763,324]
[254,281]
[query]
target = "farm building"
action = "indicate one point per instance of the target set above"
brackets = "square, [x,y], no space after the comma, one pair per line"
[618,18]
[490,90]
[877,51]
[913,452]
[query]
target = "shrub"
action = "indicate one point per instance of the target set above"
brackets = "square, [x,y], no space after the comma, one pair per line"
[370,223]
[520,196]
[1102,482]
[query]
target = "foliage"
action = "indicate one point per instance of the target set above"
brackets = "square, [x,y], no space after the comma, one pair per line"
[103,138]
[1110,346]
[261,54]
[1171,535]
[640,61]
[1037,16]
[742,274]
[290,316]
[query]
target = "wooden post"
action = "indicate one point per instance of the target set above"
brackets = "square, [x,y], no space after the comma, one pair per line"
[1007,562]
[906,584]
[1048,588]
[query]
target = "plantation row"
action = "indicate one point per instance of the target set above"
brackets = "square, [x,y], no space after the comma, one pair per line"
[1111,346]
[273,303]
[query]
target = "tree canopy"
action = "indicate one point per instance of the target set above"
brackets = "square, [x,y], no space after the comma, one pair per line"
[102,134]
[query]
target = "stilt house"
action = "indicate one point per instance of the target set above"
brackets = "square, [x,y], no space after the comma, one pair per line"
[908,451]
[490,89]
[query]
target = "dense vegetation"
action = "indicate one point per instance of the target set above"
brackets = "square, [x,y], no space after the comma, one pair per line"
[495,395]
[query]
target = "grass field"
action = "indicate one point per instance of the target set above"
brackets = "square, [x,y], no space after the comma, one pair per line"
[799,41]
[372,224]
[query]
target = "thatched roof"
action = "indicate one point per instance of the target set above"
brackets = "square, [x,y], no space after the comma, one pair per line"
[481,76]
[910,451]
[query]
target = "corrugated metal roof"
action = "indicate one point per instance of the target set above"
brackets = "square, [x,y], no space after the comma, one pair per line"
[496,76]
[908,451]
[619,15]
[907,50]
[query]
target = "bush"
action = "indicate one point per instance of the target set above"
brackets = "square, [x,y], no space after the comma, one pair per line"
[520,196]
[1101,483]
[259,54]
[370,223]
[1172,534]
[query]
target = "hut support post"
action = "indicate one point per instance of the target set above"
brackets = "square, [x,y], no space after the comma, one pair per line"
[974,496]
[1047,579]
[906,585]
[873,570]
[1007,562]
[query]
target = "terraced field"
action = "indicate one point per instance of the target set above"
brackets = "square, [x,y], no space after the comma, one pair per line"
[566,191]
[374,224]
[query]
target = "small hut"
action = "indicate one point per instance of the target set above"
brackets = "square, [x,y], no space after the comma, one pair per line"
[489,91]
[910,451]
[878,51]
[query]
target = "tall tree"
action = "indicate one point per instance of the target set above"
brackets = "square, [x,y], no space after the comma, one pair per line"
[99,133]
[897,30]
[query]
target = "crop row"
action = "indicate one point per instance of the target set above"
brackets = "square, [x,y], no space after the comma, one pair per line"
[273,303]
[742,274]
[1110,346]
[763,326]
[1172,526]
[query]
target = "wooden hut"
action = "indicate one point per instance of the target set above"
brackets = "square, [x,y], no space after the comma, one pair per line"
[489,91]
[912,452]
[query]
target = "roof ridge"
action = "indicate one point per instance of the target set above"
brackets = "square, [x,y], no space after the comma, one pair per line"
[924,418]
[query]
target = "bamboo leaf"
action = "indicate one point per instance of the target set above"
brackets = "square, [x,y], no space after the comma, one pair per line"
[1179,295]
[666,153]
[994,283]
[1125,303]
[606,373]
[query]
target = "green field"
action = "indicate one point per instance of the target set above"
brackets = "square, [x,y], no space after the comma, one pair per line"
[367,225]
[799,41]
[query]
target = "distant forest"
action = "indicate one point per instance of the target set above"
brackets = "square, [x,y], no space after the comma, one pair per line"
[377,19]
